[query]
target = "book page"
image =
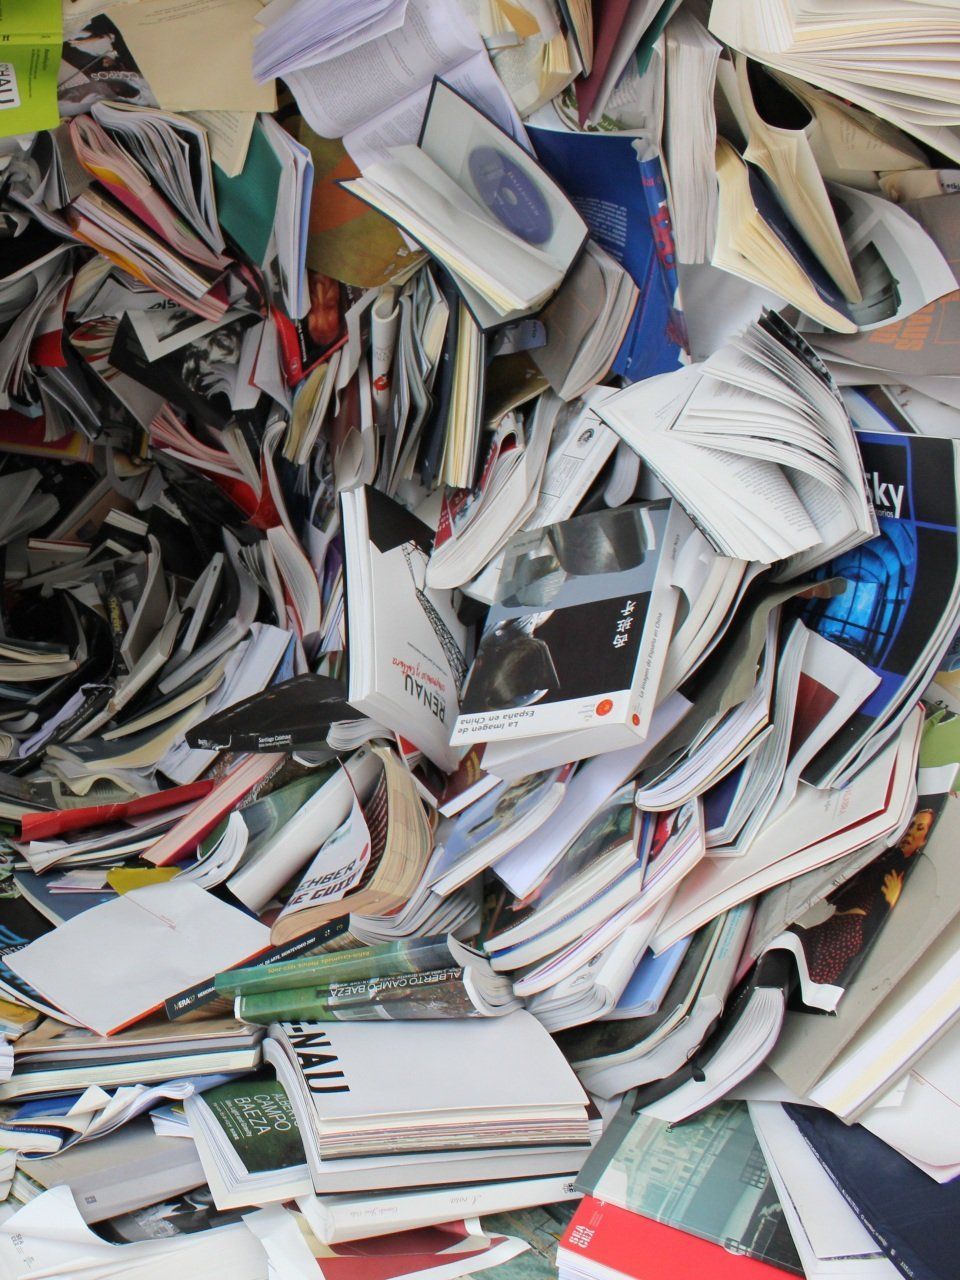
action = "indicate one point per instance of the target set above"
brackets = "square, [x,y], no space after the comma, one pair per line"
[339,95]
[197,54]
[400,123]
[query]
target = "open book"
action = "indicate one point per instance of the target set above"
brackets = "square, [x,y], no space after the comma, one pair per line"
[371,863]
[482,206]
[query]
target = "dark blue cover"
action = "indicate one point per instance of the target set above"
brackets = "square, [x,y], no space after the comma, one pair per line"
[64,905]
[623,202]
[914,1220]
[899,583]
[768,205]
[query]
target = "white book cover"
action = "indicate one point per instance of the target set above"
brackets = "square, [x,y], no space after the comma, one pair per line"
[449,1067]
[405,641]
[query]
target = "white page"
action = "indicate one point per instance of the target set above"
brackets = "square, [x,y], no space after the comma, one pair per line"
[926,1125]
[343,92]
[112,964]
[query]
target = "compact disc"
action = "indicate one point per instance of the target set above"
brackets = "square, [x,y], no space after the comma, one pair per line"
[510,195]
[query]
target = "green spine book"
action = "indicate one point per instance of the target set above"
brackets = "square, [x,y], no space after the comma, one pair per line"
[386,959]
[439,993]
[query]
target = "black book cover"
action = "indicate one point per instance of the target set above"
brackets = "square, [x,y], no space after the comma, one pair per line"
[284,717]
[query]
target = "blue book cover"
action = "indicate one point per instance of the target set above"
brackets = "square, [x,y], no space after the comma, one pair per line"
[914,1220]
[651,979]
[623,202]
[899,584]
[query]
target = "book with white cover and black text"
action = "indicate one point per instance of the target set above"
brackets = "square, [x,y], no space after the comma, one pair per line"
[405,641]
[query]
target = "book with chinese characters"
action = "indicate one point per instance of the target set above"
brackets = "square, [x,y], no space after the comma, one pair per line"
[578,634]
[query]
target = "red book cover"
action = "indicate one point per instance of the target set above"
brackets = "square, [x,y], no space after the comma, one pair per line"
[58,822]
[604,1239]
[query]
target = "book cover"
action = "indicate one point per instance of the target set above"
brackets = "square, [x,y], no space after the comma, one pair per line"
[603,1239]
[707,1177]
[913,1218]
[898,585]
[579,629]
[618,196]
[257,1120]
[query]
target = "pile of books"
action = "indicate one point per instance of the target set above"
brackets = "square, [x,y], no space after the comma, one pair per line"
[479,639]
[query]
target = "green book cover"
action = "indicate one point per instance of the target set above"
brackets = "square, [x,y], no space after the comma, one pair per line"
[258,1121]
[31,37]
[438,993]
[385,959]
[247,204]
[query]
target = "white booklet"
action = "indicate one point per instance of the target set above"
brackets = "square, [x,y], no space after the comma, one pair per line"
[405,640]
[115,963]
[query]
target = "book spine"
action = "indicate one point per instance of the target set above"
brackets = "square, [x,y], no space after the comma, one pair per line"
[362,963]
[440,993]
[657,629]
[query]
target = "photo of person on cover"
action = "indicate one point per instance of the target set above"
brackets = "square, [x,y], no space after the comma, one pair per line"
[837,946]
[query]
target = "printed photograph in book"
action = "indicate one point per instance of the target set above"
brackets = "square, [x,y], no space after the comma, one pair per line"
[177,1216]
[541,1228]
[576,612]
[306,342]
[836,944]
[96,64]
[199,377]
[166,328]
[706,1176]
